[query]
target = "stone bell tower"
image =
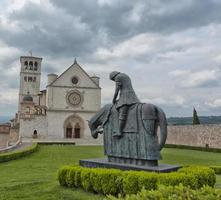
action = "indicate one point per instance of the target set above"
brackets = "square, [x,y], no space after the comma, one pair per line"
[30,77]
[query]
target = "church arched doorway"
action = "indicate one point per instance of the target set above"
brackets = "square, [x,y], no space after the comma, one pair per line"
[73,127]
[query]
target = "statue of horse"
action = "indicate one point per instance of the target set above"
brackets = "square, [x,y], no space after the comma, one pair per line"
[139,144]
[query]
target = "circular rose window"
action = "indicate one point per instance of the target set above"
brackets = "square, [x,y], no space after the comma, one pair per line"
[74,98]
[75,80]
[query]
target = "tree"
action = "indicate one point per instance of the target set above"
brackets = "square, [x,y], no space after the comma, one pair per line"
[195,117]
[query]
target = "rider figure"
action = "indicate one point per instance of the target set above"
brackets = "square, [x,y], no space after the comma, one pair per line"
[127,97]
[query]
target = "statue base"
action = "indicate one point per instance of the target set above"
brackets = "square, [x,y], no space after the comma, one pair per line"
[132,161]
[104,163]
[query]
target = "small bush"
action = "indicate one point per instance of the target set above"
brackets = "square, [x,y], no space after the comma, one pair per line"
[107,181]
[217,169]
[173,193]
[62,175]
[204,175]
[86,179]
[4,157]
[176,178]
[134,181]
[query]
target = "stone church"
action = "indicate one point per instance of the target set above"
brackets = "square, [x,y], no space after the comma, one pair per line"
[63,108]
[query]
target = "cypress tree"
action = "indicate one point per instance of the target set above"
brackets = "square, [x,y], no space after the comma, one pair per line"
[195,117]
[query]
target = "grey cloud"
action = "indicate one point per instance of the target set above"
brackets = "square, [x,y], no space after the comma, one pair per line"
[54,33]
[78,28]
[155,16]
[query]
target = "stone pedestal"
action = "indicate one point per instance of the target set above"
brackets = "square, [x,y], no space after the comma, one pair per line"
[103,163]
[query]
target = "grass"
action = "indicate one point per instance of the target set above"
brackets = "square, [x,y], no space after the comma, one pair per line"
[34,177]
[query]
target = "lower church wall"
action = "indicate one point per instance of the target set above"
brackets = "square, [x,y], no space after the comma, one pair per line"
[56,123]
[39,123]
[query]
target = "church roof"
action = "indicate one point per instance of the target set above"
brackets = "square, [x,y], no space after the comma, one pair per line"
[73,65]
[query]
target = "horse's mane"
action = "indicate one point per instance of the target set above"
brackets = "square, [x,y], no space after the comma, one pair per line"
[108,114]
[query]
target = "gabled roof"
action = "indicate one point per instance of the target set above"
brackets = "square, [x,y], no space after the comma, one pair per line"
[74,65]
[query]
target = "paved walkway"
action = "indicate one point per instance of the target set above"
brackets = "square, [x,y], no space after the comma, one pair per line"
[82,141]
[20,146]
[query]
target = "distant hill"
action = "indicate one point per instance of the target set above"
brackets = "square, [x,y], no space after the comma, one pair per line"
[188,120]
[4,119]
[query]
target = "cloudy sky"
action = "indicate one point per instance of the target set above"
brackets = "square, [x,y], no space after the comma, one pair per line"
[171,49]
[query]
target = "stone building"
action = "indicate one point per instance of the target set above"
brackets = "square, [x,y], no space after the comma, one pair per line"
[63,108]
[4,135]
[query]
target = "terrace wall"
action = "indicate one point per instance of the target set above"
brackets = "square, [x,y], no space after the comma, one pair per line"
[197,135]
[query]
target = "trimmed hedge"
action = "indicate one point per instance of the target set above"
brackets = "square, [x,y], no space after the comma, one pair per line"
[173,193]
[203,175]
[113,181]
[178,146]
[217,169]
[4,157]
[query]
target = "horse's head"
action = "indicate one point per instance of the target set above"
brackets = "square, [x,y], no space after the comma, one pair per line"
[93,128]
[98,120]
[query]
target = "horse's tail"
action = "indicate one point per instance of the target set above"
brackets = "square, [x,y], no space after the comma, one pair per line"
[163,127]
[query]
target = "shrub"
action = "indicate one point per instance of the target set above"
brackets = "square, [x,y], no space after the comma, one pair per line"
[173,193]
[135,181]
[176,178]
[4,157]
[107,181]
[86,179]
[217,169]
[204,175]
[112,181]
[62,175]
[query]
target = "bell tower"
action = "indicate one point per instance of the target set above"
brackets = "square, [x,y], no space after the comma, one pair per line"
[30,77]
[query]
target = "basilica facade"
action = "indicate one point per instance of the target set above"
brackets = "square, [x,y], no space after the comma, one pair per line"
[63,108]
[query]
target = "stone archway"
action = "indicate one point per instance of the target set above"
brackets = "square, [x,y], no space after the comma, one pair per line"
[73,127]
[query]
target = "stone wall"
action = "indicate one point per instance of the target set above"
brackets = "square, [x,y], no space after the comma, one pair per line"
[4,135]
[14,134]
[197,135]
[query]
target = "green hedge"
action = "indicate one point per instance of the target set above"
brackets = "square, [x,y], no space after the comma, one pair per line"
[217,169]
[4,157]
[113,181]
[215,150]
[173,193]
[203,175]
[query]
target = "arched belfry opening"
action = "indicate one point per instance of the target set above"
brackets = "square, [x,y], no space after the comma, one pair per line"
[73,127]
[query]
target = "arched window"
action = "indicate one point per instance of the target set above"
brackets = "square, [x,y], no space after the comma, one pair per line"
[25,78]
[29,79]
[26,65]
[30,65]
[34,79]
[36,66]
[35,134]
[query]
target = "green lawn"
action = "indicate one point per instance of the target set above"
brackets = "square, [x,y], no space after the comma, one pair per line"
[34,176]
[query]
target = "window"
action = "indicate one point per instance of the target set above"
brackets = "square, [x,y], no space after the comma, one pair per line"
[27,109]
[26,65]
[36,66]
[29,79]
[34,79]
[75,80]
[31,65]
[25,78]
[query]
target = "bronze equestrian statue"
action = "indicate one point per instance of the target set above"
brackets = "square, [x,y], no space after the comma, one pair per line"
[129,126]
